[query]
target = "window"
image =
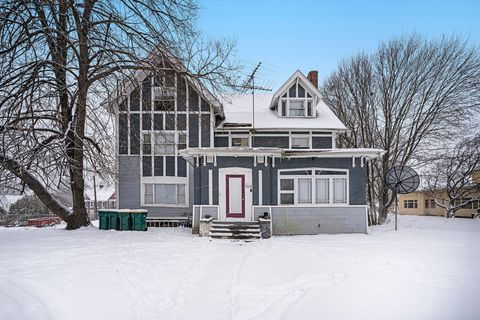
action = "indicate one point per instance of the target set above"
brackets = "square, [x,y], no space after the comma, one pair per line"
[164,194]
[312,187]
[164,143]
[296,102]
[300,142]
[297,108]
[287,191]
[433,205]
[147,144]
[410,204]
[240,141]
[427,202]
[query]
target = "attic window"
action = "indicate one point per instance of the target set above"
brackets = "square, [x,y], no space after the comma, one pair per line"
[296,102]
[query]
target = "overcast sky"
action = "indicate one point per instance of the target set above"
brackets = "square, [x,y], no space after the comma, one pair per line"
[306,35]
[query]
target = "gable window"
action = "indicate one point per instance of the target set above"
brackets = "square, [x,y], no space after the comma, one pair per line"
[296,102]
[313,187]
[164,143]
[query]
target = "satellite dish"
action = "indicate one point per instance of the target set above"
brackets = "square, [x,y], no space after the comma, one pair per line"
[402,179]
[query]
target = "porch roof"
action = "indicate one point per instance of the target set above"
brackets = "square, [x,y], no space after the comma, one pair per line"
[282,153]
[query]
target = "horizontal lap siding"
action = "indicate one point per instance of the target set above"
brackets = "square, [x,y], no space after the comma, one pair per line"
[129,190]
[317,220]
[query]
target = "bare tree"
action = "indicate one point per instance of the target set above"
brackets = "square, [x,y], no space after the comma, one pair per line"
[60,58]
[408,92]
[450,178]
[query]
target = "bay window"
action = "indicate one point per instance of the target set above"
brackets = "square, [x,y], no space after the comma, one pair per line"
[313,187]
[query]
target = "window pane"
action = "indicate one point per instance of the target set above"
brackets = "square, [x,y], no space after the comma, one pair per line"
[304,190]
[297,108]
[165,143]
[309,109]
[339,190]
[286,184]
[165,194]
[326,172]
[284,108]
[322,190]
[301,91]
[148,193]
[300,143]
[296,173]
[292,92]
[180,194]
[239,142]
[286,198]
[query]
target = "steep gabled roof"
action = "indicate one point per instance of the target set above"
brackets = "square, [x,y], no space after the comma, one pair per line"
[297,74]
[126,86]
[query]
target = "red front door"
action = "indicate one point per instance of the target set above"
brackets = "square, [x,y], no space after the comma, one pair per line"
[235,185]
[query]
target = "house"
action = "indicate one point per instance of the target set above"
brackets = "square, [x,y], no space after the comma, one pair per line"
[422,203]
[106,199]
[6,200]
[183,153]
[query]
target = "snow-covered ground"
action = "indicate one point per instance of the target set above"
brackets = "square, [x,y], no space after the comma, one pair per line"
[429,269]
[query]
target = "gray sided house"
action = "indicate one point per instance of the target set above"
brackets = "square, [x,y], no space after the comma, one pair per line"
[182,153]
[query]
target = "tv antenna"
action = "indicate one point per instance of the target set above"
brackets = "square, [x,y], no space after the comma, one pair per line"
[403,180]
[250,85]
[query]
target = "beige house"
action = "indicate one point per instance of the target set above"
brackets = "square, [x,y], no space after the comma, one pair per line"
[422,203]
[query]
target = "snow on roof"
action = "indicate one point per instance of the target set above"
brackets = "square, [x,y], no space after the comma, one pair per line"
[239,110]
[103,193]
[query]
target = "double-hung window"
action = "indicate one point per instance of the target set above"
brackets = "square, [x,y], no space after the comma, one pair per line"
[313,187]
[300,142]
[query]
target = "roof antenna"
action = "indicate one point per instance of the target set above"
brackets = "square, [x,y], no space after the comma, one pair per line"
[250,84]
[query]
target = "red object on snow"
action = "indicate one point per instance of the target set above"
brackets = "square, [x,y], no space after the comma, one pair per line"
[44,221]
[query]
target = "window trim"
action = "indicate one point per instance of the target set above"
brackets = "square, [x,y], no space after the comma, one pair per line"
[241,136]
[304,136]
[164,180]
[313,176]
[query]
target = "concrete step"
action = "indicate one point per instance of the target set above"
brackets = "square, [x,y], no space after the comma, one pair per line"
[248,230]
[235,223]
[229,235]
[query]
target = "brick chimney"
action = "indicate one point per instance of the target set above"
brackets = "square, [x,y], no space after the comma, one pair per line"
[313,77]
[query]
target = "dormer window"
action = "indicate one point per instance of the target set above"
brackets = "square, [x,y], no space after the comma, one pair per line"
[296,102]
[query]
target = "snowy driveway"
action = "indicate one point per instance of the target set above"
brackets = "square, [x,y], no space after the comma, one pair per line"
[430,269]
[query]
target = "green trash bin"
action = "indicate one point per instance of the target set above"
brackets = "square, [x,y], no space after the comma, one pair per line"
[126,220]
[139,220]
[114,220]
[104,220]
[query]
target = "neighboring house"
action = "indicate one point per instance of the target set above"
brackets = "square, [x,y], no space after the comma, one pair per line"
[7,200]
[422,203]
[183,153]
[106,199]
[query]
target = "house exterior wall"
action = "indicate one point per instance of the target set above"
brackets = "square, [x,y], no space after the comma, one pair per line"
[289,219]
[316,220]
[162,106]
[421,209]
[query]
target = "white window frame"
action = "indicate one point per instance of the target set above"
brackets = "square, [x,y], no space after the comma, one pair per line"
[305,100]
[313,176]
[242,136]
[164,180]
[412,202]
[304,136]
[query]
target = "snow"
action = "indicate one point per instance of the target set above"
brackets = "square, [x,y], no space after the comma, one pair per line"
[429,269]
[239,110]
